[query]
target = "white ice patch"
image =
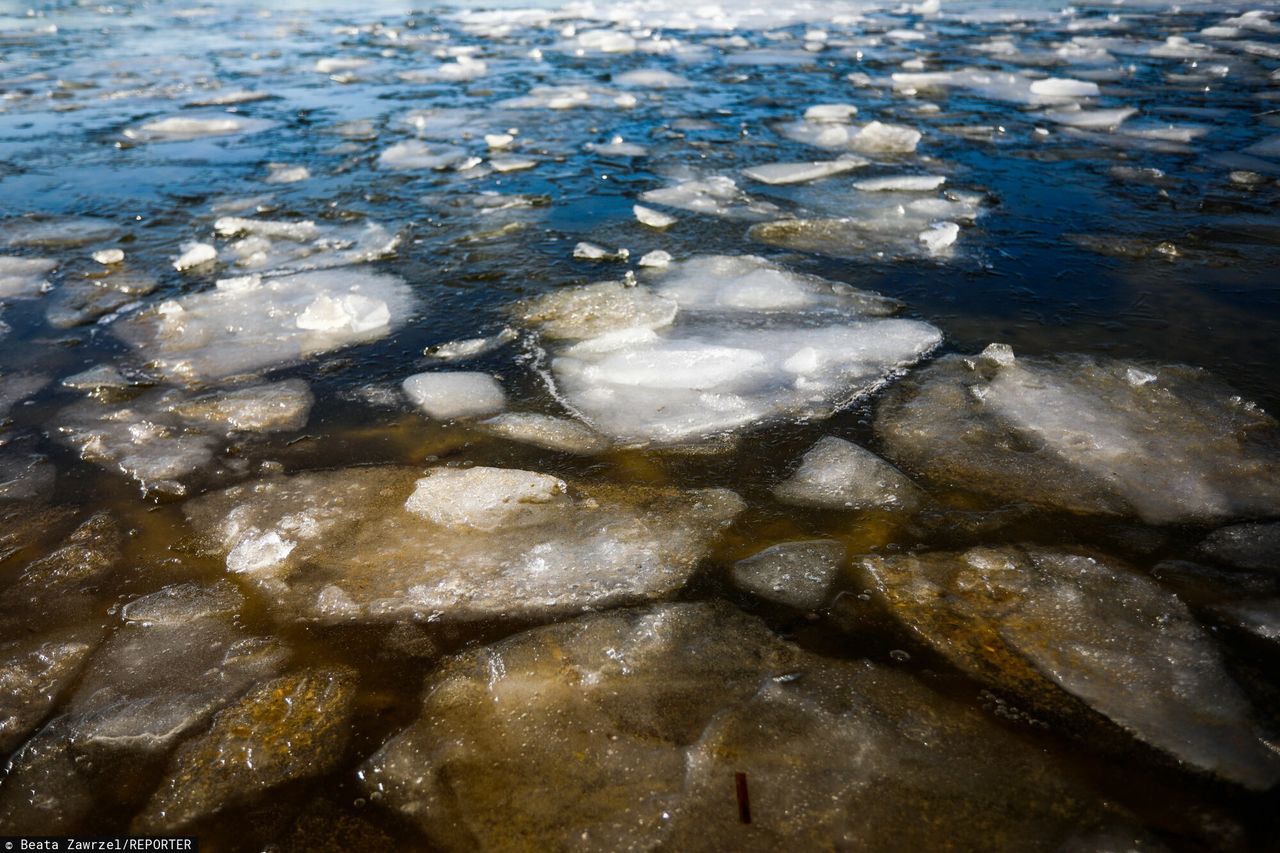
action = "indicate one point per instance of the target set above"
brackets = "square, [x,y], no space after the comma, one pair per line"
[461,394]
[801,173]
[255,325]
[24,276]
[185,128]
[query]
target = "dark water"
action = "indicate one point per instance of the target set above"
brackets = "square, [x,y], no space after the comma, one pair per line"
[1081,247]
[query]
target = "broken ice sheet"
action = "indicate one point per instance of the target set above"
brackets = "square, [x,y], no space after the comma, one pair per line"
[390,544]
[292,727]
[188,127]
[251,323]
[625,729]
[747,342]
[716,195]
[1166,443]
[550,433]
[803,173]
[137,698]
[1021,618]
[162,437]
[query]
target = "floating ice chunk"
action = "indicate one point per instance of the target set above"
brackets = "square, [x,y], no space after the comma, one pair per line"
[369,556]
[231,98]
[462,69]
[469,347]
[487,498]
[691,385]
[185,128]
[550,433]
[445,396]
[939,236]
[1112,639]
[592,252]
[836,474]
[570,97]
[838,113]
[416,154]
[498,141]
[350,312]
[797,574]
[667,703]
[275,407]
[24,276]
[617,147]
[225,331]
[261,553]
[1091,119]
[715,196]
[653,218]
[736,284]
[880,138]
[194,255]
[1061,87]
[235,226]
[63,232]
[901,183]
[801,173]
[108,257]
[283,173]
[512,164]
[290,728]
[588,312]
[183,603]
[657,259]
[652,78]
[1076,433]
[334,64]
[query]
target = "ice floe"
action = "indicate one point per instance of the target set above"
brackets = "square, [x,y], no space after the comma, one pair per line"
[378,544]
[188,127]
[253,323]
[1166,443]
[797,574]
[837,474]
[457,394]
[1024,618]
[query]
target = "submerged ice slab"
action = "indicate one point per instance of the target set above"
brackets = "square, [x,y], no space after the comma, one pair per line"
[388,544]
[717,195]
[250,324]
[618,730]
[837,474]
[1020,618]
[1166,443]
[797,574]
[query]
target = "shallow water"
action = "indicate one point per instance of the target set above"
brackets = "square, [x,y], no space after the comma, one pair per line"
[1150,241]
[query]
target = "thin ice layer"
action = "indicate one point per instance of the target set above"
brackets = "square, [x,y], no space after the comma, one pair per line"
[245,325]
[1166,443]
[624,731]
[1021,618]
[379,544]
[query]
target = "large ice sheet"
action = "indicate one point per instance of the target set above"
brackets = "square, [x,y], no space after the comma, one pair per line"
[624,731]
[748,341]
[1025,618]
[1166,443]
[250,324]
[392,544]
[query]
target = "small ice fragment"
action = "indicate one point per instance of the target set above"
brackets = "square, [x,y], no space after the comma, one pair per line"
[901,183]
[592,252]
[107,257]
[657,258]
[1137,377]
[499,140]
[837,113]
[653,218]
[651,78]
[836,474]
[796,574]
[350,312]
[332,64]
[233,226]
[484,498]
[1061,87]
[260,553]
[547,432]
[283,173]
[512,164]
[461,394]
[877,137]
[415,154]
[193,255]
[939,236]
[469,347]
[1000,355]
[800,173]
